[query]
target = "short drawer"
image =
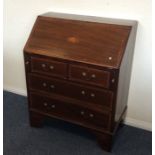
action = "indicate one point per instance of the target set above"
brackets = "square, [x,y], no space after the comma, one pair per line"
[50,67]
[88,75]
[87,94]
[69,111]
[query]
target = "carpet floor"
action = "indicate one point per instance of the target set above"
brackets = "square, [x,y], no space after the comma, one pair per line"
[60,138]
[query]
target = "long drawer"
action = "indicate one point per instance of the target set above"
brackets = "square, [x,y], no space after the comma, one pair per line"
[69,111]
[69,89]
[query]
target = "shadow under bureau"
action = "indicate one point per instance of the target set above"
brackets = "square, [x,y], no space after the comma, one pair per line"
[78,70]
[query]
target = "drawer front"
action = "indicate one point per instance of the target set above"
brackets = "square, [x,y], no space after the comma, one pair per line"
[69,89]
[50,67]
[88,94]
[49,85]
[88,75]
[70,112]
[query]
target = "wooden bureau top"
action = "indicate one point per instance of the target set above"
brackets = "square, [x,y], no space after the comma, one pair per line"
[89,42]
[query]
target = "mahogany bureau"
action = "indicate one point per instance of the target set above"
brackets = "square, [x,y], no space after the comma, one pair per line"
[78,70]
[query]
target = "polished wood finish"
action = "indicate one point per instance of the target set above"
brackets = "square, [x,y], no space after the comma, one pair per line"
[71,112]
[54,86]
[36,119]
[79,71]
[104,140]
[49,33]
[88,75]
[45,66]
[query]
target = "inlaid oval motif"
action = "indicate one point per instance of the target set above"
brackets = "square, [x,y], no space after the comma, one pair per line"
[72,40]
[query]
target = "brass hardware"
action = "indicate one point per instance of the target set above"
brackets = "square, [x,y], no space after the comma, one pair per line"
[52,86]
[27,62]
[44,84]
[84,73]
[82,112]
[45,104]
[92,95]
[93,76]
[83,92]
[53,106]
[51,67]
[113,80]
[110,58]
[91,115]
[43,65]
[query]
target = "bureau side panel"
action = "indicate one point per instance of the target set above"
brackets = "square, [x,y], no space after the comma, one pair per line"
[124,75]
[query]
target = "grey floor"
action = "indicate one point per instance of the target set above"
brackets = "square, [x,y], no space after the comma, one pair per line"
[60,138]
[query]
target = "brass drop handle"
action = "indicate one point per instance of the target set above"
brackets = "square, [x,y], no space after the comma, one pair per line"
[91,115]
[84,74]
[44,84]
[51,67]
[53,106]
[52,86]
[43,65]
[27,62]
[83,92]
[82,112]
[113,80]
[92,95]
[45,104]
[93,76]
